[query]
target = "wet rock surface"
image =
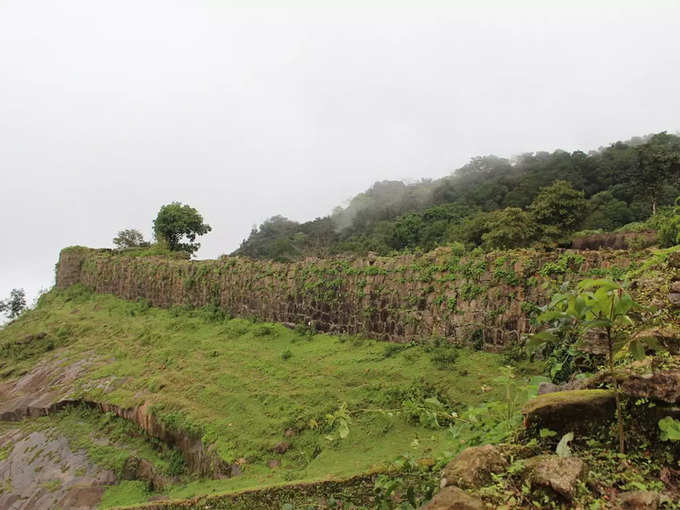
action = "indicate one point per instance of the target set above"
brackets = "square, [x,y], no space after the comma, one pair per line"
[29,395]
[41,471]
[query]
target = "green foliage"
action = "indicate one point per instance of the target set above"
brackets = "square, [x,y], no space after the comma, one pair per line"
[428,412]
[338,422]
[125,493]
[444,356]
[560,191]
[559,207]
[670,429]
[129,238]
[226,381]
[596,305]
[658,162]
[493,422]
[566,262]
[14,305]
[262,330]
[392,349]
[508,228]
[668,226]
[177,221]
[407,487]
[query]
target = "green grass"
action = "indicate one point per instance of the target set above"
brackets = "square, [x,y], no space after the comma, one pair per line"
[240,385]
[127,492]
[107,439]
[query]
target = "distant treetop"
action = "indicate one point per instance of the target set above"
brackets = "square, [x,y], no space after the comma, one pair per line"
[491,202]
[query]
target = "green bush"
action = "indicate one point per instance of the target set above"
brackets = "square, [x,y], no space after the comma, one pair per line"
[669,228]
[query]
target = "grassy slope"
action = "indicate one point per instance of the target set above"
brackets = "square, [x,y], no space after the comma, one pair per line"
[231,381]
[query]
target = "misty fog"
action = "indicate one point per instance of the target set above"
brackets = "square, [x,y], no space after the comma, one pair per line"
[111,109]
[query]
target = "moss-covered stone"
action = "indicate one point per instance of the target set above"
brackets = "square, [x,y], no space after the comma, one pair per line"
[566,411]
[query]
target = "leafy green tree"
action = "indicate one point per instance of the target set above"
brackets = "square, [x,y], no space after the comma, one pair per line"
[658,164]
[129,238]
[596,305]
[15,304]
[176,222]
[508,228]
[392,215]
[559,205]
[607,213]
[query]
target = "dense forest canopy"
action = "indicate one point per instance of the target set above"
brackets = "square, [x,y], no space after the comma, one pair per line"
[491,202]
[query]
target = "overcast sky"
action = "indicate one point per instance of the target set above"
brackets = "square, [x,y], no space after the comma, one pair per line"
[110,109]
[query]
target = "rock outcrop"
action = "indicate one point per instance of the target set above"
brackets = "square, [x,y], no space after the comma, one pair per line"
[663,386]
[560,474]
[41,471]
[473,467]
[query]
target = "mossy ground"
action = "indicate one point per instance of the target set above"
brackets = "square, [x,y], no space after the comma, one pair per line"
[241,385]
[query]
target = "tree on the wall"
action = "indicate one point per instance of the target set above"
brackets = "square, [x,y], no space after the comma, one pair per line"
[175,223]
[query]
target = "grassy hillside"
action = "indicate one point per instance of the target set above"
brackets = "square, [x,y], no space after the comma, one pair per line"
[244,387]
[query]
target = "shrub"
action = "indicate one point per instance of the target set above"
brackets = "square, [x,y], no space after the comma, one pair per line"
[668,227]
[264,330]
[15,304]
[129,238]
[393,348]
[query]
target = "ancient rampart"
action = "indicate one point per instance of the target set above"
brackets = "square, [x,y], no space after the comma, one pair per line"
[486,298]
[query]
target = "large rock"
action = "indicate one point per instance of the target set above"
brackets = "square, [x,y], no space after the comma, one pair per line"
[638,500]
[674,299]
[667,336]
[453,498]
[567,411]
[662,386]
[473,467]
[561,474]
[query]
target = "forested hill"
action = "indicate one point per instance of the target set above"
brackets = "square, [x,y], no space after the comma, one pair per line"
[492,202]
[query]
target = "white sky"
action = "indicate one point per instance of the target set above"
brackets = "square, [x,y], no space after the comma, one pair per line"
[110,109]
